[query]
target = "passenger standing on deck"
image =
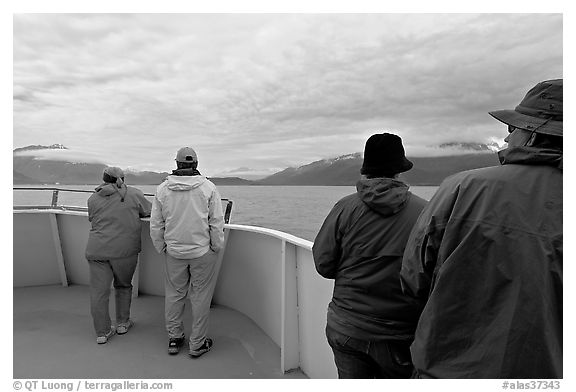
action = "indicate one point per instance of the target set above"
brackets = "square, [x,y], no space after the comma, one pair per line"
[370,323]
[187,224]
[114,211]
[485,257]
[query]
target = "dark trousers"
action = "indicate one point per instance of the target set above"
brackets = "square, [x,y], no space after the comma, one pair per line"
[357,358]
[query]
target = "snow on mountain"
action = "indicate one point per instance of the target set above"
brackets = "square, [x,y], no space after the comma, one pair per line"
[58,153]
[40,147]
[429,169]
[355,155]
[471,147]
[246,173]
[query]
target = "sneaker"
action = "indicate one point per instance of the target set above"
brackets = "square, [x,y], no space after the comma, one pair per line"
[204,348]
[174,345]
[122,328]
[103,339]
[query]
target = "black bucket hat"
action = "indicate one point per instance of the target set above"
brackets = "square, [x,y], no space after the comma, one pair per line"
[540,111]
[384,156]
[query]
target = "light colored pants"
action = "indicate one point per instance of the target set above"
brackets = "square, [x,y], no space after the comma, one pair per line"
[194,279]
[102,274]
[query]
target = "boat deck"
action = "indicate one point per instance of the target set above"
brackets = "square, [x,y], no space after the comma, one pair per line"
[54,338]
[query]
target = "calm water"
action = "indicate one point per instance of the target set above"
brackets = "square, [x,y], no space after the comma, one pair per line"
[298,210]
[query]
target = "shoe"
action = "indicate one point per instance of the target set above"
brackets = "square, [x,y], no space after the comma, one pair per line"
[204,348]
[122,328]
[103,339]
[174,345]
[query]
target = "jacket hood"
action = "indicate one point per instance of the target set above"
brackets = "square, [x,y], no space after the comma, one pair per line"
[531,156]
[386,196]
[184,183]
[107,189]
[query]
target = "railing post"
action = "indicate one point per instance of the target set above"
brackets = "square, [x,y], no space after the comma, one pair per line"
[58,248]
[55,198]
[290,341]
[228,211]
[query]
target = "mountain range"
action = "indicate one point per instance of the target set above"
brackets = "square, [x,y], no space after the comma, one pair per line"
[30,169]
[345,170]
[342,170]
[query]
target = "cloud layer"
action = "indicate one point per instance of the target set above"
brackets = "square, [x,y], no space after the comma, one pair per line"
[267,91]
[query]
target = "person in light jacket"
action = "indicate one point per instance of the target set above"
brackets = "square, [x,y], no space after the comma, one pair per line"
[187,224]
[485,257]
[370,323]
[114,211]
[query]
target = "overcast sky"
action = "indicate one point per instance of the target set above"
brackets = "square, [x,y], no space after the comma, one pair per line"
[269,91]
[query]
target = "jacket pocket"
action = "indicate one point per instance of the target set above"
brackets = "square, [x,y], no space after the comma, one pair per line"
[335,338]
[400,353]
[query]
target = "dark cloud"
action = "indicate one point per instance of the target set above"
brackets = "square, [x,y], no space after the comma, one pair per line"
[261,90]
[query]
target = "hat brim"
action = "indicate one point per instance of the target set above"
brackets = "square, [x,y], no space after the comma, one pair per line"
[528,123]
[407,165]
[398,167]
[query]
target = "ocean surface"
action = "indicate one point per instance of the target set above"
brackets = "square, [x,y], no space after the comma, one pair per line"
[297,210]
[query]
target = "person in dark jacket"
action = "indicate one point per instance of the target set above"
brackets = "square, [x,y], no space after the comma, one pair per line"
[114,211]
[485,257]
[370,323]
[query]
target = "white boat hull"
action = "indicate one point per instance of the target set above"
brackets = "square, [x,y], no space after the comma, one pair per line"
[267,275]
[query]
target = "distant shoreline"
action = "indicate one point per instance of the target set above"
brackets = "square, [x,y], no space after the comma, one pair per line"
[342,171]
[216,183]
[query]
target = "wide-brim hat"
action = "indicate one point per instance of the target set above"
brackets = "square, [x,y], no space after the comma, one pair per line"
[540,111]
[384,156]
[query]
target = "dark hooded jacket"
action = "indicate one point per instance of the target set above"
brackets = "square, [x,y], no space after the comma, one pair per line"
[360,246]
[485,258]
[115,216]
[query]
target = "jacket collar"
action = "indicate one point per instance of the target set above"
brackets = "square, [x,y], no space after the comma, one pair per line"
[531,156]
[107,189]
[185,172]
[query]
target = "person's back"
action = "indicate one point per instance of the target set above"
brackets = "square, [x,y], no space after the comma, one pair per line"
[485,257]
[186,203]
[116,227]
[374,226]
[493,308]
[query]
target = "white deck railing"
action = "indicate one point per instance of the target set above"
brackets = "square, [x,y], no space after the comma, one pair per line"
[265,274]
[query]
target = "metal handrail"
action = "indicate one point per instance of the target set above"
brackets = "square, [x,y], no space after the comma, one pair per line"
[56,192]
